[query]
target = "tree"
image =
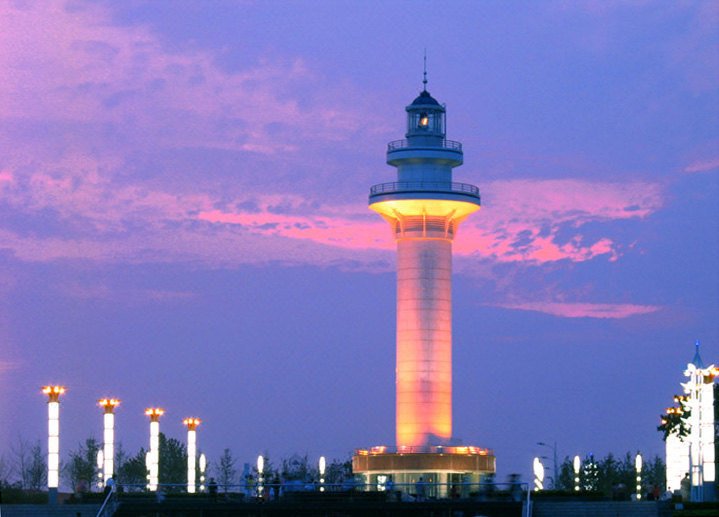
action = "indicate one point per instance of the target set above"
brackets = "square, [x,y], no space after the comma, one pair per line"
[173,462]
[338,471]
[37,469]
[297,468]
[676,419]
[5,471]
[133,471]
[29,464]
[590,474]
[226,471]
[566,475]
[80,471]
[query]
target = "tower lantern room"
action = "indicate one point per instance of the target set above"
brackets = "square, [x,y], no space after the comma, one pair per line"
[425,119]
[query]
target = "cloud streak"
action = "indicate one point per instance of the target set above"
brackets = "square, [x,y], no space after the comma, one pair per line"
[584,310]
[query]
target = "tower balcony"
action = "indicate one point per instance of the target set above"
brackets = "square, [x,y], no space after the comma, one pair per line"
[425,149]
[425,190]
[406,144]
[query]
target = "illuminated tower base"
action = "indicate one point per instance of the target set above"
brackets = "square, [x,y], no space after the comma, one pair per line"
[424,208]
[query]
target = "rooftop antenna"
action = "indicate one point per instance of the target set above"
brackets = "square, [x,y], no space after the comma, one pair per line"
[424,81]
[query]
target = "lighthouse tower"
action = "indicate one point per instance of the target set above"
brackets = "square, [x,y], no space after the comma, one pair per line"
[424,208]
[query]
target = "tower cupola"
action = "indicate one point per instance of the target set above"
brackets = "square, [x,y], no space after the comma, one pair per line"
[425,120]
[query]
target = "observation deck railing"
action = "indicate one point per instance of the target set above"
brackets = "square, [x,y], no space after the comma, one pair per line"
[424,186]
[442,144]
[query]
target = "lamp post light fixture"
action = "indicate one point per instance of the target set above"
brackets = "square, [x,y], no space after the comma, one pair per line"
[153,456]
[100,463]
[260,470]
[322,467]
[53,439]
[108,467]
[577,465]
[638,468]
[538,469]
[203,466]
[555,466]
[191,424]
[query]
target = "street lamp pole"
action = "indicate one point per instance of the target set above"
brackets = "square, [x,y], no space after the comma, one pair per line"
[555,466]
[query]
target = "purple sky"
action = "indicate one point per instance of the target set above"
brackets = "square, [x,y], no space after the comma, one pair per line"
[183,219]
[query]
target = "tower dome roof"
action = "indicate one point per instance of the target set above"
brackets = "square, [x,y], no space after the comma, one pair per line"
[425,99]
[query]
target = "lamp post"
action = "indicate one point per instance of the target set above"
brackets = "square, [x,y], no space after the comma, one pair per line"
[322,466]
[153,456]
[638,467]
[100,463]
[554,461]
[191,424]
[203,466]
[53,439]
[577,467]
[260,470]
[108,465]
[538,469]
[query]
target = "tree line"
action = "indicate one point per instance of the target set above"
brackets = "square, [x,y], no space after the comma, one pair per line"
[25,467]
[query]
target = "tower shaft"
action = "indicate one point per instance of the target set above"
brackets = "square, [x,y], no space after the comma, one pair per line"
[424,341]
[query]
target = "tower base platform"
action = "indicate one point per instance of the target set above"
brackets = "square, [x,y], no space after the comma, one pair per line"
[433,471]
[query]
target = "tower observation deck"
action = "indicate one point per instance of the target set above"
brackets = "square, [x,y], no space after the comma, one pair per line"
[424,208]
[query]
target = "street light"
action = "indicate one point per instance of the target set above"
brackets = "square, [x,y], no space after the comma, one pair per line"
[538,469]
[260,470]
[203,466]
[577,467]
[554,462]
[638,467]
[153,456]
[108,466]
[191,424]
[322,465]
[53,439]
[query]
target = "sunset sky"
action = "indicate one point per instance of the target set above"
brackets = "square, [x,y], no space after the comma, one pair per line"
[184,221]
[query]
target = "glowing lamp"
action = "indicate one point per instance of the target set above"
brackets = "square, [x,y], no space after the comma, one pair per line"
[577,465]
[322,467]
[538,470]
[53,435]
[260,470]
[153,456]
[191,424]
[203,466]
[638,467]
[108,405]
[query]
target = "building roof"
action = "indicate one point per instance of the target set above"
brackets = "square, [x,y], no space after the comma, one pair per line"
[425,99]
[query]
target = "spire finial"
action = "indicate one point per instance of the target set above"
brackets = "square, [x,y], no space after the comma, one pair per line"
[424,81]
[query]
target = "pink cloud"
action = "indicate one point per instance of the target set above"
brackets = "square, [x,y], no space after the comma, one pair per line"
[78,66]
[522,219]
[584,310]
[703,166]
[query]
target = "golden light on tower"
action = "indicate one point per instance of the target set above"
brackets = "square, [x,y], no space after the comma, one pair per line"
[191,424]
[108,406]
[153,455]
[53,435]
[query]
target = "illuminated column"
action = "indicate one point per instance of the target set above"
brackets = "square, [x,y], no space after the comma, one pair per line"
[538,470]
[322,466]
[260,471]
[638,468]
[153,456]
[203,466]
[577,465]
[108,436]
[100,464]
[191,424]
[424,209]
[53,437]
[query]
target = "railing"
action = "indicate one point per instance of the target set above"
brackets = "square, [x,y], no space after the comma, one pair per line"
[424,186]
[431,449]
[109,505]
[405,144]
